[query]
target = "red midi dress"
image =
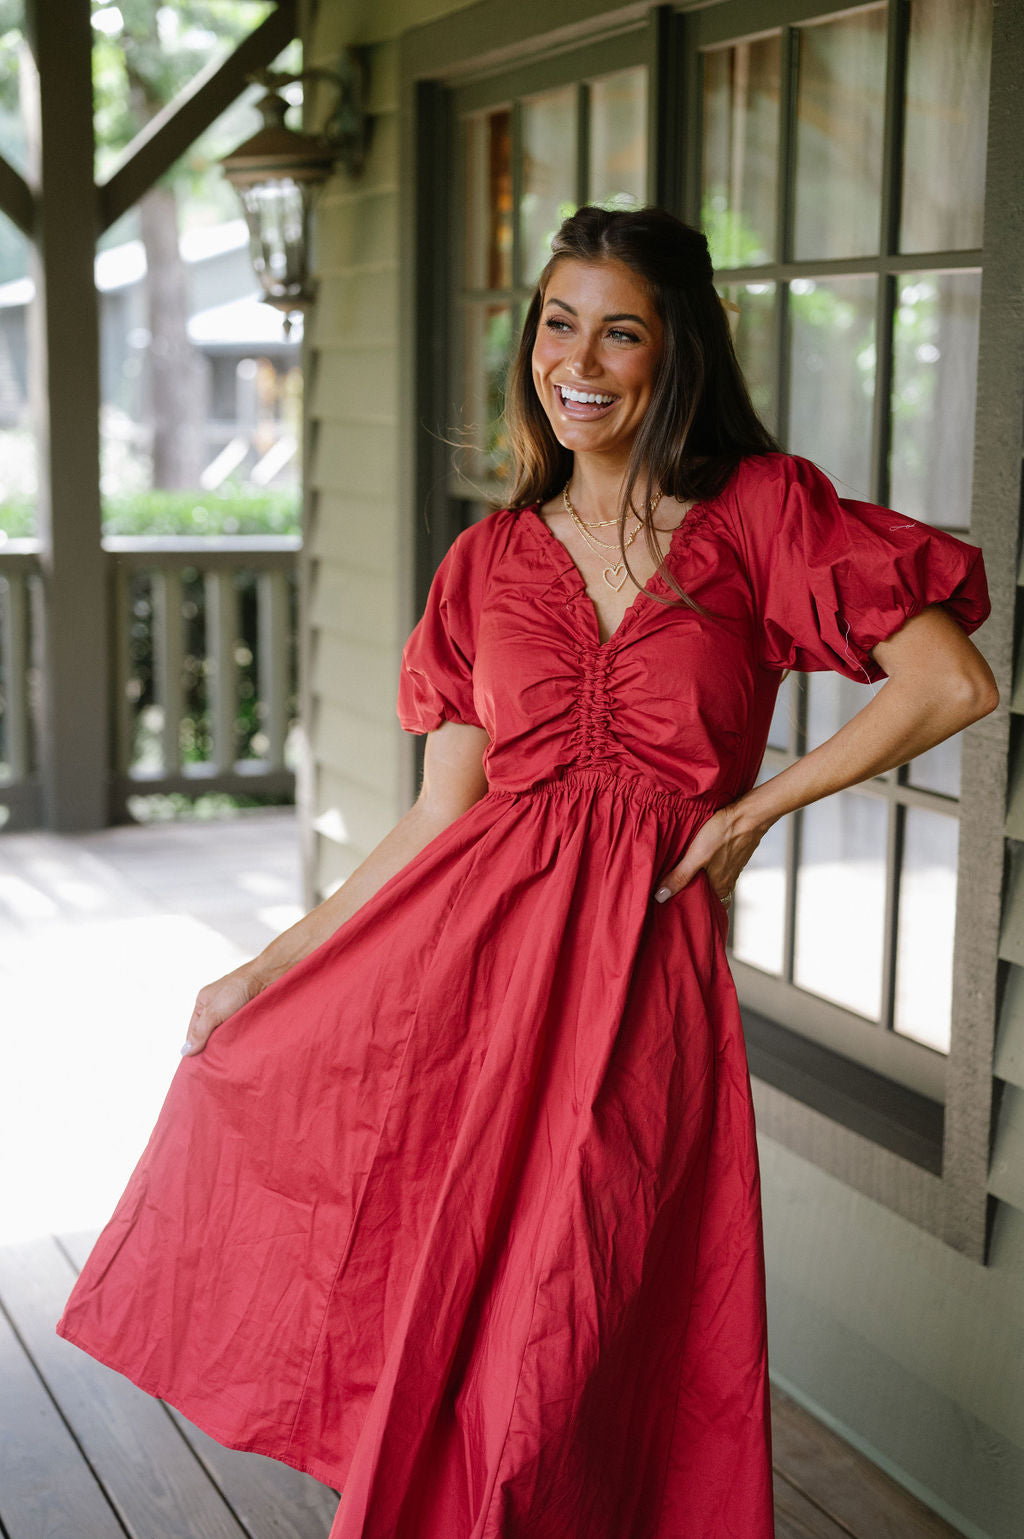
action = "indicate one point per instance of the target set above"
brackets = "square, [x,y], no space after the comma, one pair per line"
[461,1214]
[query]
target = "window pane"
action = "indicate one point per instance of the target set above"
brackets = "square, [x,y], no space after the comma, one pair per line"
[782,732]
[840,901]
[489,336]
[741,142]
[832,701]
[945,124]
[840,113]
[759,909]
[549,174]
[618,138]
[939,768]
[935,375]
[753,331]
[924,953]
[489,201]
[833,376]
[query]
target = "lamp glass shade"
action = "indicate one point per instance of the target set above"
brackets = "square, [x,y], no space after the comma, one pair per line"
[278,213]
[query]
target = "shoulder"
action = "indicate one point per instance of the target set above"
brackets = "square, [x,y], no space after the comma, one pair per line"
[477,550]
[768,493]
[768,479]
[485,541]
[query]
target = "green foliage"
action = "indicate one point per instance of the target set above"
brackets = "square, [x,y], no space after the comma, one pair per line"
[145,54]
[234,511]
[175,807]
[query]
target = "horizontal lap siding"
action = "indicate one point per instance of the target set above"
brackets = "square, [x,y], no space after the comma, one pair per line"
[355,593]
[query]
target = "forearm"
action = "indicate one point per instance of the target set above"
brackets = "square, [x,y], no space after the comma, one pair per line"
[903,720]
[408,837]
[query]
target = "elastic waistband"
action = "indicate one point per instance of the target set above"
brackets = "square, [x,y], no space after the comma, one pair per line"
[633,788]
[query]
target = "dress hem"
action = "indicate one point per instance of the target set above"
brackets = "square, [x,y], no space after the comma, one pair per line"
[315,1468]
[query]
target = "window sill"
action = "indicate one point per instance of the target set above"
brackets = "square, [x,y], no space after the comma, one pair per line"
[888,1114]
[880,1138]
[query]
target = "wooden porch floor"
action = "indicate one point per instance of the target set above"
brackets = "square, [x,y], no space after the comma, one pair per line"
[83,1453]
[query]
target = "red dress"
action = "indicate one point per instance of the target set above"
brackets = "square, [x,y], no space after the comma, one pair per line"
[461,1215]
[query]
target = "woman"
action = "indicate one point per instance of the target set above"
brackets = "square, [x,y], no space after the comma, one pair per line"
[454,1200]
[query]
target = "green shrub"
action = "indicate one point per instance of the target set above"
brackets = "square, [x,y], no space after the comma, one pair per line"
[196,513]
[18,516]
[204,513]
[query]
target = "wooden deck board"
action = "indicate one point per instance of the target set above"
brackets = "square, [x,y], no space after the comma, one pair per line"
[47,1487]
[837,1479]
[796,1517]
[148,1472]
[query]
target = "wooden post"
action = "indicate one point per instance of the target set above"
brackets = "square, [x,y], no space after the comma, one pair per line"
[65,392]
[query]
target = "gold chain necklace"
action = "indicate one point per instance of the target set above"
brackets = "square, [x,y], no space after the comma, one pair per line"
[614,575]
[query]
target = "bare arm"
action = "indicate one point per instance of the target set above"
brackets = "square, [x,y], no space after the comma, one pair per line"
[453,779]
[938,683]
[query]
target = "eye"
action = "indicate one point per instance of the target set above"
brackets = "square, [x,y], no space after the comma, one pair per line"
[553,323]
[623,336]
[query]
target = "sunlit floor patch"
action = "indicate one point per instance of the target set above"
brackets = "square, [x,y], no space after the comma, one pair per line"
[101,954]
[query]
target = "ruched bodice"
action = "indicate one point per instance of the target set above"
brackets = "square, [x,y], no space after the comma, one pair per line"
[783,576]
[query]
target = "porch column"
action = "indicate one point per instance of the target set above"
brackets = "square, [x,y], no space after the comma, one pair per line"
[65,394]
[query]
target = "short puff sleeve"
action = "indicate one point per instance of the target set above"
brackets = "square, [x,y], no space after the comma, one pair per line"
[436,680]
[834,577]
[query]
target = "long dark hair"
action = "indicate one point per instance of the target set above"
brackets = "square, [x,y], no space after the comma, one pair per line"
[700,422]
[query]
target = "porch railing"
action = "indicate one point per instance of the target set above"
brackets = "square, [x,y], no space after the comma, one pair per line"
[203,674]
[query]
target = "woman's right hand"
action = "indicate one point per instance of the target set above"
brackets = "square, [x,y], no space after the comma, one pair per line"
[216,1001]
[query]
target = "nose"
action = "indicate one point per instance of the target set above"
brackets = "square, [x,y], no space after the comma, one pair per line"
[581,360]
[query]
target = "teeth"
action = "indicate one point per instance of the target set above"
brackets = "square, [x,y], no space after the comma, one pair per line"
[587,399]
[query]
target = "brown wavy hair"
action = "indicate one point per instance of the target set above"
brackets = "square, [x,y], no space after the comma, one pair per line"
[700,422]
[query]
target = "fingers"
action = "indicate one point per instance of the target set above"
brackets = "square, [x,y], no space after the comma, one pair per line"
[195,1037]
[678,878]
[199,1028]
[681,877]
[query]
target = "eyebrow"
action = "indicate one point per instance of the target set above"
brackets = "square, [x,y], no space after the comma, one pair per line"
[623,315]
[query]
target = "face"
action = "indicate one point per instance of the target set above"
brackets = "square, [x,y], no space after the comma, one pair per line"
[596,356]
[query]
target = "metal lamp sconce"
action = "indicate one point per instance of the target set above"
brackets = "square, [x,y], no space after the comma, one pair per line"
[279,171]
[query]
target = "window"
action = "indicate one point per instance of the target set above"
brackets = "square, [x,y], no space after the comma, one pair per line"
[841,176]
[527,157]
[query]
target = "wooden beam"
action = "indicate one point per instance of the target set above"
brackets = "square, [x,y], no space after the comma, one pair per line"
[65,397]
[16,199]
[179,125]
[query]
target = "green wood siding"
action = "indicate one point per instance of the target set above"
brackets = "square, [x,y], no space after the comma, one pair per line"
[356,609]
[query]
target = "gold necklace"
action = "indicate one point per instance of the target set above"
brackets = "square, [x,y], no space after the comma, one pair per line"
[614,575]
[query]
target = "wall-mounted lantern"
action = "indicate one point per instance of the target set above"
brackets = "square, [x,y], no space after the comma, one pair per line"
[278,172]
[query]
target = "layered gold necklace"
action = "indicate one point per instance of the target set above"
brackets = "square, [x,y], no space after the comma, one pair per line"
[614,574]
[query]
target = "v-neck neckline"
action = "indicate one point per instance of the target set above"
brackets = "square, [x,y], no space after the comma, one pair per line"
[655,582]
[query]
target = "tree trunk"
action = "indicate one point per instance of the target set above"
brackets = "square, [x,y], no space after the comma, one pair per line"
[176,376]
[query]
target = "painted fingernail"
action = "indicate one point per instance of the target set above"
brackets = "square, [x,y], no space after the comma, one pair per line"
[662,893]
[186,1048]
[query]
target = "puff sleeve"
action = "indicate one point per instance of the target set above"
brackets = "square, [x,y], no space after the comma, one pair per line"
[436,680]
[834,577]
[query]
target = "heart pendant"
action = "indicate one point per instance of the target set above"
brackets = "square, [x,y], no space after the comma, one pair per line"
[609,573]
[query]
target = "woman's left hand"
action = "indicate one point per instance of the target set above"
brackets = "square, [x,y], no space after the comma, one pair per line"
[721,847]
